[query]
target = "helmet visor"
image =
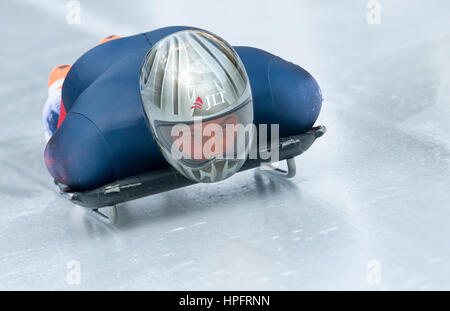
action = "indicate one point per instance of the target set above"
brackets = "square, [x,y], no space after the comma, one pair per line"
[196,143]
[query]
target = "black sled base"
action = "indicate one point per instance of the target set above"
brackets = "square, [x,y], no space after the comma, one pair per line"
[153,182]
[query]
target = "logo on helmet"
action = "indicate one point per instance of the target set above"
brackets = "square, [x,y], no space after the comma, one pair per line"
[198,103]
[211,101]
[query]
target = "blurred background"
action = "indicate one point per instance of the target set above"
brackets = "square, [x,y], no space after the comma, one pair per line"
[367,210]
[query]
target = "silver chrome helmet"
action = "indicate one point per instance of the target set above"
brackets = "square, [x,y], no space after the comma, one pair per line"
[195,91]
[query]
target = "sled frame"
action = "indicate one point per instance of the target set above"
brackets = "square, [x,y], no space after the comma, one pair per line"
[109,196]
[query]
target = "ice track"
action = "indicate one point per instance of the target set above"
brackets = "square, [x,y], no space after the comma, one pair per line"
[371,196]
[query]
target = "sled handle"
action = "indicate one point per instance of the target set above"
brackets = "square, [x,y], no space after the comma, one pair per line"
[110,219]
[289,173]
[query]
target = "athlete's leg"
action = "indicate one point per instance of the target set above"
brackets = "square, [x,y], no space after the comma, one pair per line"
[52,107]
[54,112]
[109,38]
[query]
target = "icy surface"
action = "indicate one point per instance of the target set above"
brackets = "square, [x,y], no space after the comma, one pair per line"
[373,190]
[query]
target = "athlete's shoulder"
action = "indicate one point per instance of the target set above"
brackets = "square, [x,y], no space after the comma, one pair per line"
[92,64]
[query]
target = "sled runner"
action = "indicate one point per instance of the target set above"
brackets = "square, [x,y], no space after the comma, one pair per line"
[153,182]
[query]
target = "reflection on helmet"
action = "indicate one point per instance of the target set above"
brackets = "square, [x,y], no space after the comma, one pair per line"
[195,80]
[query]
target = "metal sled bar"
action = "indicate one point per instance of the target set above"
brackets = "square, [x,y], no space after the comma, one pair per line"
[110,219]
[291,169]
